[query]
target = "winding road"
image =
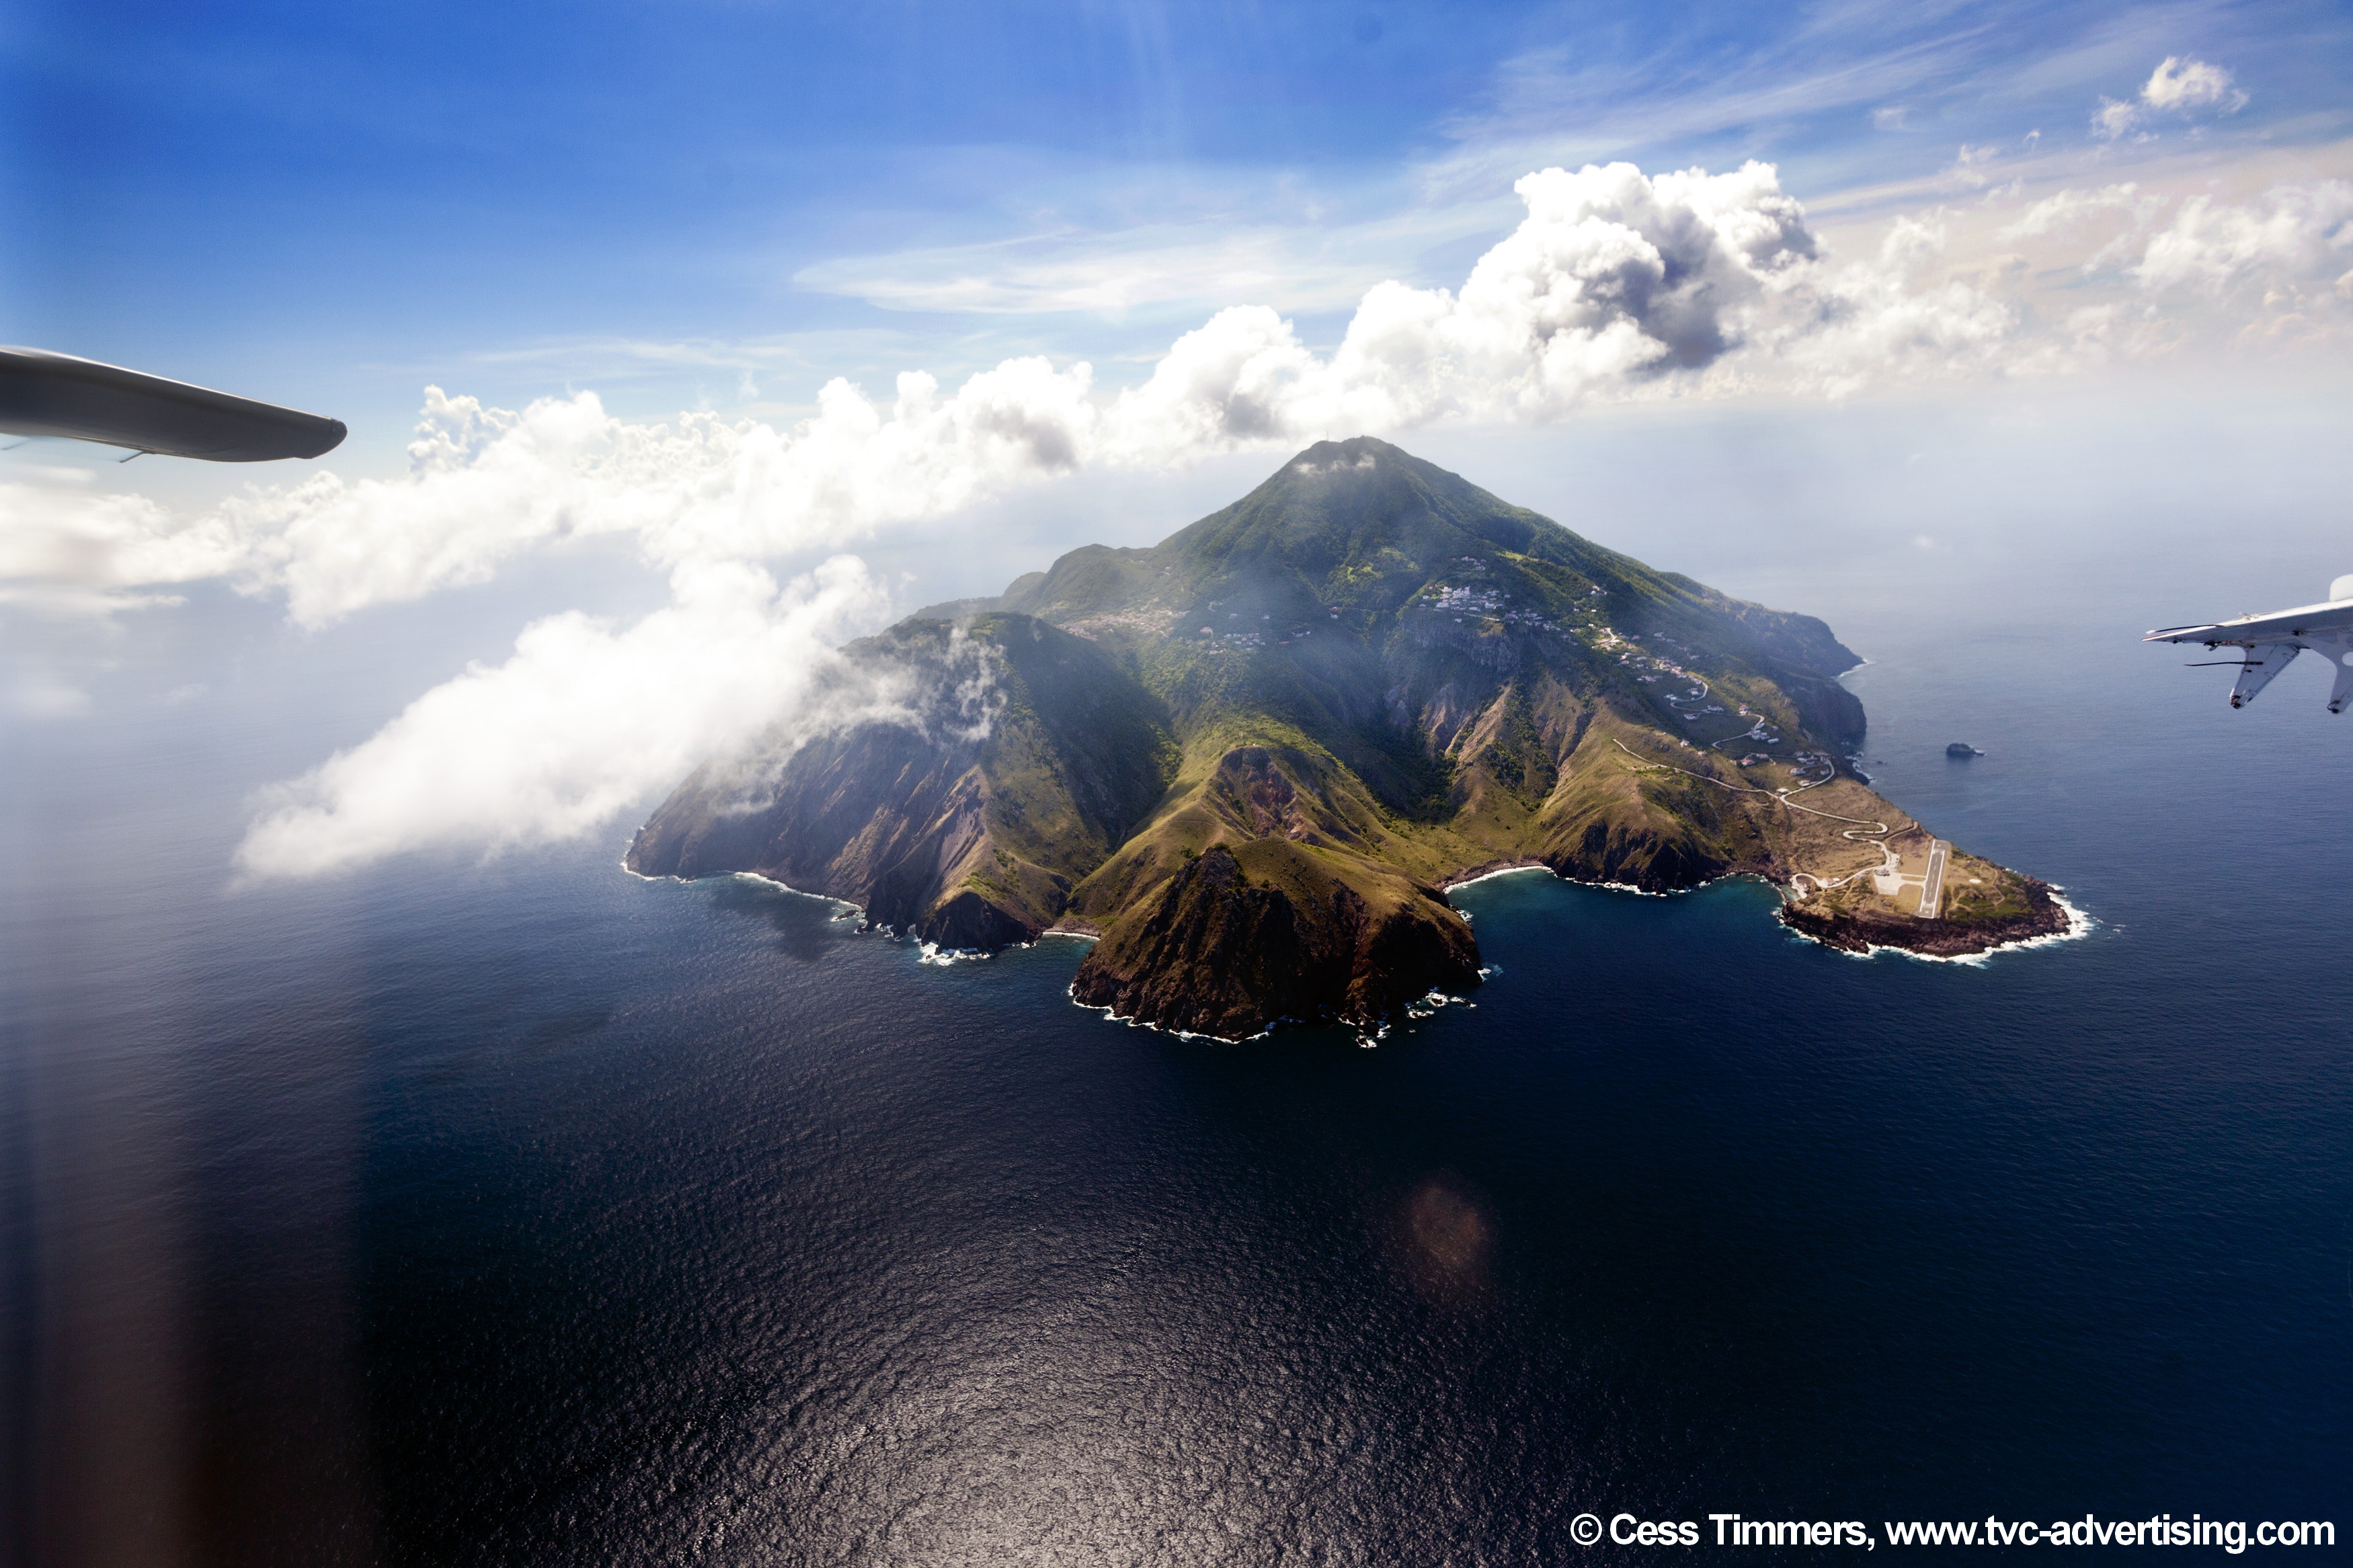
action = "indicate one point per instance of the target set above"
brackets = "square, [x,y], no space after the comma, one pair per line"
[1863,832]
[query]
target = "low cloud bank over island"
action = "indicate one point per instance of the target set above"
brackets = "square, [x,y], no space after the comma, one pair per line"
[587,719]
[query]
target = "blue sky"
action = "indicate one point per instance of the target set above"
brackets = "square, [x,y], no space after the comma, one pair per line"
[340,203]
[680,343]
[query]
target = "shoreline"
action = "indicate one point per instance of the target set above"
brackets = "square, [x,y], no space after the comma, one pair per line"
[928,954]
[1488,874]
[1111,1015]
[783,886]
[747,876]
[1367,1035]
[2078,923]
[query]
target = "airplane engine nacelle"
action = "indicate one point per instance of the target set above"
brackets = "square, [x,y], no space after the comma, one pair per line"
[2341,589]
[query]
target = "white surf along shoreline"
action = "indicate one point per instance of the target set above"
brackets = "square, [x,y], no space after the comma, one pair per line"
[929,952]
[2079,924]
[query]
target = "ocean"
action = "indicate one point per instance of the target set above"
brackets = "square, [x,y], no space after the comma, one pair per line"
[523,1211]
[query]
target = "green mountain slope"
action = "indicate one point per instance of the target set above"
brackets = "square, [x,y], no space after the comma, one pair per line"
[971,824]
[1250,755]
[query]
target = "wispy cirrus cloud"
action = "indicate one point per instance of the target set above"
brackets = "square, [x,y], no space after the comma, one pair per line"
[1550,104]
[1310,266]
[2066,207]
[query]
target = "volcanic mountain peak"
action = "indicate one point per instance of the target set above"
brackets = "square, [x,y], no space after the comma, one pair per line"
[1249,756]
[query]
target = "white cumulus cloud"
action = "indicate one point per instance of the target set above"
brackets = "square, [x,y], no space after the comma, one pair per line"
[1882,319]
[485,485]
[2293,237]
[1614,282]
[2179,86]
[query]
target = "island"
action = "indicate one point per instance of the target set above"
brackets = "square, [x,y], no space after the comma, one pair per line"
[1249,760]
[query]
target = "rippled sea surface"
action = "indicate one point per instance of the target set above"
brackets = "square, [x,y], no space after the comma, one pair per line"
[530,1213]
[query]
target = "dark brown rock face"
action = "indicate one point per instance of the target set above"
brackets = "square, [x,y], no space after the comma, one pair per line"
[1633,857]
[1218,951]
[1852,932]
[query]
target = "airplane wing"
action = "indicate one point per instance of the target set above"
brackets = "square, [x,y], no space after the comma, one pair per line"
[2273,640]
[44,394]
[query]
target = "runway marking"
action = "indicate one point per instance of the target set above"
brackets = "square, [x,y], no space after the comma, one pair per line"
[1932,889]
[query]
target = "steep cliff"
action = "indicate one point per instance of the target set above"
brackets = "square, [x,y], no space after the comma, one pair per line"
[1239,938]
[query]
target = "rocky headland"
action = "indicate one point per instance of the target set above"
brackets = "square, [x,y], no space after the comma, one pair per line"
[2035,913]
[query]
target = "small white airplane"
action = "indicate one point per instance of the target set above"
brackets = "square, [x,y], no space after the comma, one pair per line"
[2271,642]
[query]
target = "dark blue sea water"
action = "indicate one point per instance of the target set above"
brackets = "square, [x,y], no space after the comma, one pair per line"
[526,1212]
